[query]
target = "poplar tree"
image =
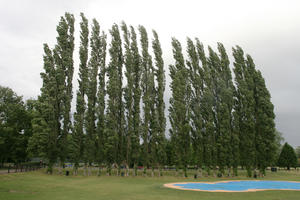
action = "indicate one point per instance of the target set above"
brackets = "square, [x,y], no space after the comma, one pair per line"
[47,123]
[229,138]
[100,104]
[128,92]
[215,88]
[206,111]
[223,92]
[78,136]
[179,110]
[137,73]
[160,140]
[264,120]
[56,92]
[146,85]
[93,68]
[245,109]
[63,59]
[115,110]
[196,78]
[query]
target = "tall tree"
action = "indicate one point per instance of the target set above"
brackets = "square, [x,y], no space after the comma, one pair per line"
[147,85]
[78,136]
[264,120]
[179,110]
[245,109]
[213,63]
[128,93]
[115,110]
[227,140]
[137,73]
[63,59]
[206,110]
[47,123]
[100,107]
[93,68]
[52,122]
[196,78]
[160,140]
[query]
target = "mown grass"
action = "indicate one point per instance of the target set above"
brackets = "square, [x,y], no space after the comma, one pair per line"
[38,185]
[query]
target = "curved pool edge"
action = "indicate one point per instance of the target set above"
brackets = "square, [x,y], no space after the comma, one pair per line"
[173,186]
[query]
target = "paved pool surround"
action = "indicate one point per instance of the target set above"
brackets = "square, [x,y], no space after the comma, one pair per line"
[236,186]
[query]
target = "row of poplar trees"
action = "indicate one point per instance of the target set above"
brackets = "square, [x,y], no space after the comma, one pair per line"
[215,124]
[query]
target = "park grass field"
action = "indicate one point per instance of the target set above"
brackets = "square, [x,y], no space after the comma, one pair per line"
[40,186]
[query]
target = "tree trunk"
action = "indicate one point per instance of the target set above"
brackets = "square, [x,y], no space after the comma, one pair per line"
[99,171]
[152,172]
[119,170]
[89,170]
[176,171]
[127,169]
[145,171]
[85,170]
[214,172]
[199,171]
[50,168]
[135,172]
[159,171]
[235,171]
[248,171]
[108,170]
[185,172]
[75,170]
[229,171]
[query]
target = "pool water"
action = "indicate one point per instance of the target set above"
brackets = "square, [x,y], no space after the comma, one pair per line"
[241,185]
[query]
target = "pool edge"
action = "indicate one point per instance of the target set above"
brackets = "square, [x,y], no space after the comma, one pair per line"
[172,186]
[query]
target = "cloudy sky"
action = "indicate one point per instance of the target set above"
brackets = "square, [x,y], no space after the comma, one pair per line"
[269,30]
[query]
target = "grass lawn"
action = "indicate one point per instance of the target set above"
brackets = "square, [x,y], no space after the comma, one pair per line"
[38,185]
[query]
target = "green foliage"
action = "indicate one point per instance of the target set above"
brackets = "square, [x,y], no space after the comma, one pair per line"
[54,103]
[93,68]
[197,125]
[78,133]
[147,86]
[245,109]
[179,110]
[128,93]
[100,106]
[159,140]
[287,157]
[63,59]
[115,109]
[214,122]
[15,126]
[136,72]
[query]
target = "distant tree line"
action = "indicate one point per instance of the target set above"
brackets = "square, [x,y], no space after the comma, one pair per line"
[15,126]
[217,122]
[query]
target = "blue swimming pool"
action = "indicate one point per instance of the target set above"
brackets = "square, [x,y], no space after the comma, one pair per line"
[240,186]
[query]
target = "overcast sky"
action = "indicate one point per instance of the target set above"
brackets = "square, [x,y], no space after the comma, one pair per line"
[268,30]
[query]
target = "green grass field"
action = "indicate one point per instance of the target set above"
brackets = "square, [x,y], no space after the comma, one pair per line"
[40,186]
